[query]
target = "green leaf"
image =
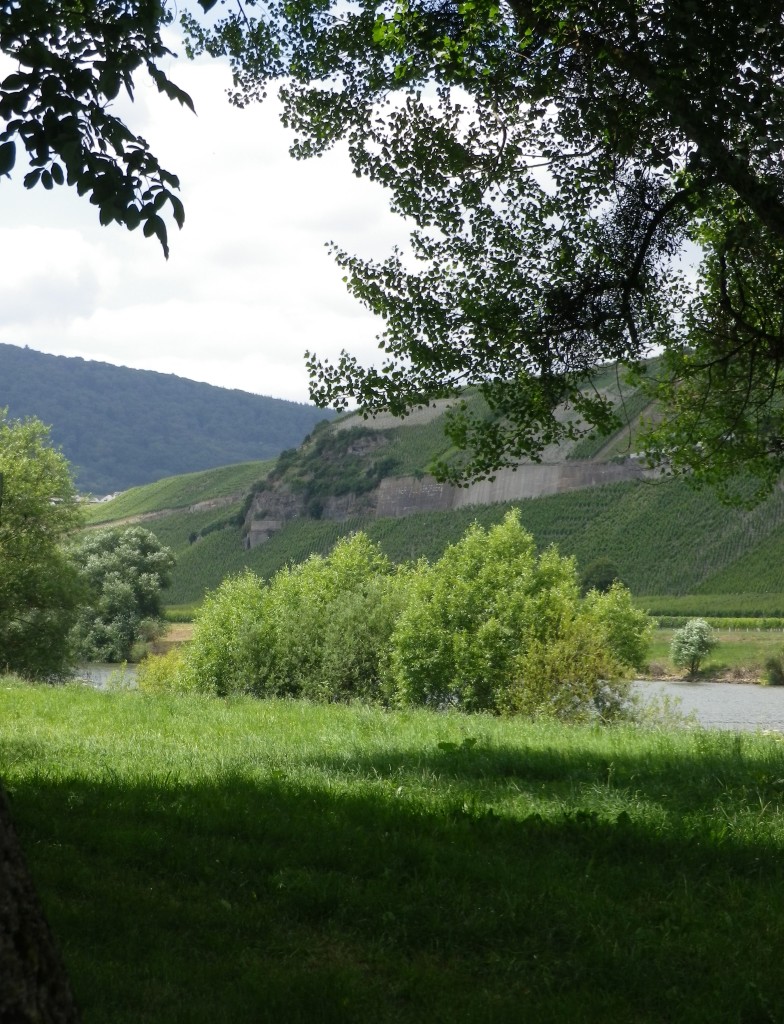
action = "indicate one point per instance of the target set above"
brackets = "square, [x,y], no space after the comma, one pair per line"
[178,210]
[132,218]
[168,88]
[7,157]
[13,82]
[207,5]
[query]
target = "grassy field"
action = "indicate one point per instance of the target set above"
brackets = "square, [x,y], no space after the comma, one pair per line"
[210,861]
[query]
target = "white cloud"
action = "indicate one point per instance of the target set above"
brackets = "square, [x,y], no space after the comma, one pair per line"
[249,284]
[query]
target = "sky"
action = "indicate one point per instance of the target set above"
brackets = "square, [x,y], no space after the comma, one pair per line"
[249,284]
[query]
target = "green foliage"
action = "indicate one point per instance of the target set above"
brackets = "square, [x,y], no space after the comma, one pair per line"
[692,644]
[491,627]
[352,460]
[774,669]
[70,62]
[550,237]
[308,609]
[226,654]
[39,587]
[599,575]
[124,572]
[619,626]
[571,675]
[164,673]
[318,629]
[629,403]
[455,633]
[164,425]
[465,618]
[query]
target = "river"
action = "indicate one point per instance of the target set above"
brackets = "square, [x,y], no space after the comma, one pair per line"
[738,706]
[102,674]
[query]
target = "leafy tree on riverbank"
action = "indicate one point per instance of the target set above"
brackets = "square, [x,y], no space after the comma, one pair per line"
[491,626]
[692,644]
[39,587]
[124,572]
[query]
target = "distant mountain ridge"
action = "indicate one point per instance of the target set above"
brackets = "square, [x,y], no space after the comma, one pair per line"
[121,427]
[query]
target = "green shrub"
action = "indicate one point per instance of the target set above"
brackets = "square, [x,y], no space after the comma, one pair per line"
[774,670]
[164,673]
[572,675]
[491,627]
[226,653]
[626,630]
[319,629]
[327,623]
[355,648]
[692,644]
[456,639]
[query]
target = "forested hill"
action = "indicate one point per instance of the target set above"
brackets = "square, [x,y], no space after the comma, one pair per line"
[121,427]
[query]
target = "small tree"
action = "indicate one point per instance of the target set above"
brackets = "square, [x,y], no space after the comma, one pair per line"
[124,572]
[692,644]
[39,588]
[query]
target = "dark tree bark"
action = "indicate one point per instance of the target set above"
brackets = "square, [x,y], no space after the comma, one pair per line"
[34,987]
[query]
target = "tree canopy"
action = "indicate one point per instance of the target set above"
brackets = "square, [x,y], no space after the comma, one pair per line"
[124,572]
[73,57]
[39,587]
[559,162]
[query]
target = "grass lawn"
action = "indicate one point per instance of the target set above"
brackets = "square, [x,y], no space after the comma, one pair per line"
[244,861]
[740,653]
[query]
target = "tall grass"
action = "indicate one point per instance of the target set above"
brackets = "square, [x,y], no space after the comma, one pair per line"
[207,861]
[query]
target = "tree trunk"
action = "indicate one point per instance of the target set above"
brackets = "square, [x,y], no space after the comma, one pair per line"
[34,987]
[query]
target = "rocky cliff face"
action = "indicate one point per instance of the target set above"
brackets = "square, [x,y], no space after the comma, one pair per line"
[396,497]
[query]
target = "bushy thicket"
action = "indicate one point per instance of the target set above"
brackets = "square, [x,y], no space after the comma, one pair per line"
[490,626]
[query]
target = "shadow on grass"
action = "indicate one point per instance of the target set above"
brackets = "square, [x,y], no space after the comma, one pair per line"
[720,765]
[255,900]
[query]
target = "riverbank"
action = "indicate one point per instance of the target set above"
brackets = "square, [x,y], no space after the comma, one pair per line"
[739,656]
[347,864]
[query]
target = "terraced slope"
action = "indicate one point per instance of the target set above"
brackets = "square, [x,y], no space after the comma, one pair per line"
[664,537]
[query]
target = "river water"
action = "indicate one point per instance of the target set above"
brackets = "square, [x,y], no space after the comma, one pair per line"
[102,675]
[739,706]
